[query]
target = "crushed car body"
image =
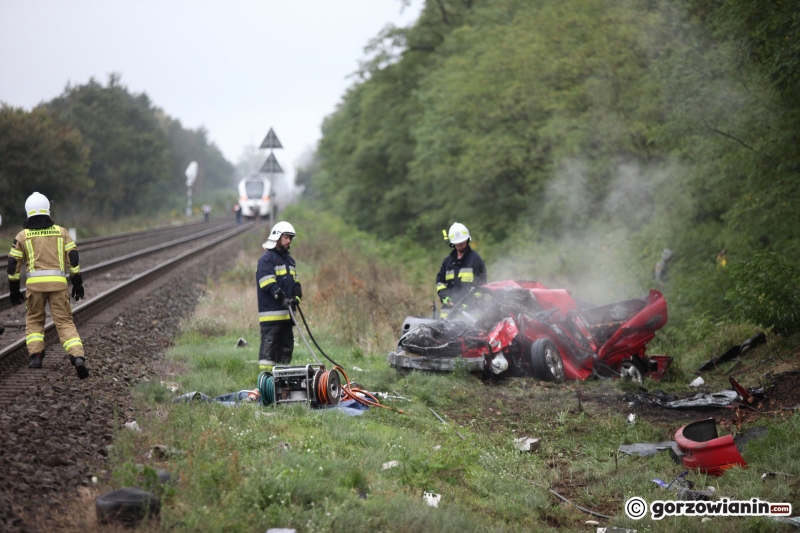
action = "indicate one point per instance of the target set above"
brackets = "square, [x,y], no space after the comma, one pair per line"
[524,328]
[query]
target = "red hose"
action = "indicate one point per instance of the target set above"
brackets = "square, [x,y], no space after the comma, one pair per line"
[349,392]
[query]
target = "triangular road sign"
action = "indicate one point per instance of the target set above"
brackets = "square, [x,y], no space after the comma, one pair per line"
[271,165]
[271,141]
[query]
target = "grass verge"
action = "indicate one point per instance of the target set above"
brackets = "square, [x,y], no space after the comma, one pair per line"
[250,468]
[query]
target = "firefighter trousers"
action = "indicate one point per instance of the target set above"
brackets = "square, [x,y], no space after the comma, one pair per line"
[277,344]
[60,311]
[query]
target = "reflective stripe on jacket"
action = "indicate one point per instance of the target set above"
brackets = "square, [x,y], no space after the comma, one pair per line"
[457,275]
[45,251]
[276,271]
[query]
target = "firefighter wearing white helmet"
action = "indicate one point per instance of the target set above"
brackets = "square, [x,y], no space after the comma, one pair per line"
[281,228]
[51,258]
[461,270]
[278,289]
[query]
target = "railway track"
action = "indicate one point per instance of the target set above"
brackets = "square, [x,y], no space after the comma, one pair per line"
[56,431]
[13,356]
[91,271]
[104,247]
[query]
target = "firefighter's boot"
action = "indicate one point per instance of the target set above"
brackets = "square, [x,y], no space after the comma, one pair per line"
[36,360]
[80,367]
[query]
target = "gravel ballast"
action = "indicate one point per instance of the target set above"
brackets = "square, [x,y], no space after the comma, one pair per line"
[57,435]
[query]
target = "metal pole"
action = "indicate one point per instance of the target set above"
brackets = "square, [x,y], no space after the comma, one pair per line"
[271,198]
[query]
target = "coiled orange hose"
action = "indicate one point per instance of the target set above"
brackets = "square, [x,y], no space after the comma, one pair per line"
[349,392]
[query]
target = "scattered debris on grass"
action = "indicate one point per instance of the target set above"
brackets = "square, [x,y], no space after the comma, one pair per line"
[445,423]
[431,498]
[704,450]
[160,451]
[646,449]
[773,475]
[171,386]
[735,352]
[390,464]
[527,444]
[697,382]
[241,343]
[128,506]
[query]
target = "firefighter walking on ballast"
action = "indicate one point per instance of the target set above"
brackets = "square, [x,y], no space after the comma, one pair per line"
[278,289]
[48,251]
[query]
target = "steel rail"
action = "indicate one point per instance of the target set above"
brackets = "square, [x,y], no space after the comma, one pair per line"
[103,241]
[5,299]
[86,310]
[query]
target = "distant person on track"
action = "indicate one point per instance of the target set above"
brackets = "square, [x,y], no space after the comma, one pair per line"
[237,209]
[48,251]
[206,211]
[461,270]
[278,289]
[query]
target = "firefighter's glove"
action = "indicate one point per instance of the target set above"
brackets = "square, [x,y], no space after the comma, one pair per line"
[15,294]
[290,303]
[447,301]
[279,295]
[77,287]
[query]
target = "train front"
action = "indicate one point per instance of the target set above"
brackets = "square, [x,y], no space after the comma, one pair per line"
[254,197]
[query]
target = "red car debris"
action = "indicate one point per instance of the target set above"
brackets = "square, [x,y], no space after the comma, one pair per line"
[523,328]
[704,450]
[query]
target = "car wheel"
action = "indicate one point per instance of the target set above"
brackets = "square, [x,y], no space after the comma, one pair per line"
[546,363]
[633,370]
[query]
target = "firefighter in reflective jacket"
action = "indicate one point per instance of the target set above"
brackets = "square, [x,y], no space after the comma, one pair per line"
[51,257]
[460,271]
[278,289]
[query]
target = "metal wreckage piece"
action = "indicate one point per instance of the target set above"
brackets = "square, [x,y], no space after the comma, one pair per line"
[714,400]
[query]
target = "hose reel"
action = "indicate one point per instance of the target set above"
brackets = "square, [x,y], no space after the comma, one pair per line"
[310,384]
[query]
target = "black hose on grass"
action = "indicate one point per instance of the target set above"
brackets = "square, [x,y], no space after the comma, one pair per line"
[313,339]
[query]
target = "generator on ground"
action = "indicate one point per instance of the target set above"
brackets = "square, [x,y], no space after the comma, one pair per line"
[310,384]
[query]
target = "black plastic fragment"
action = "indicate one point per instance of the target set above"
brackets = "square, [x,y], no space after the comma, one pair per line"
[128,506]
[736,351]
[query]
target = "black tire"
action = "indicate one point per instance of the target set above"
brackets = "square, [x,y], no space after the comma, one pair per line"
[546,363]
[632,369]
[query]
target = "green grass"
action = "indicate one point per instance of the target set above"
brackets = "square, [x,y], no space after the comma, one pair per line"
[250,468]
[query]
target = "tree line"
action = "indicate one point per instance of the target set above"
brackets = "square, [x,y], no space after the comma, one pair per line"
[578,139]
[101,151]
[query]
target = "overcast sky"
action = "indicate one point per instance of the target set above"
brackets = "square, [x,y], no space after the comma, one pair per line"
[235,67]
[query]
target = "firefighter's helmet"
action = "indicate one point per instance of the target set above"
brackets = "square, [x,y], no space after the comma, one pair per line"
[281,228]
[37,204]
[458,233]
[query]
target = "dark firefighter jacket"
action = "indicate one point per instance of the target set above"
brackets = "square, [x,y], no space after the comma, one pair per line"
[457,275]
[276,275]
[49,253]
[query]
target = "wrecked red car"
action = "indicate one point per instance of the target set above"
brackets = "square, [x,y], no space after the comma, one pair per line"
[523,328]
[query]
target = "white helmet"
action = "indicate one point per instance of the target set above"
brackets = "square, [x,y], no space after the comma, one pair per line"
[458,233]
[37,204]
[277,230]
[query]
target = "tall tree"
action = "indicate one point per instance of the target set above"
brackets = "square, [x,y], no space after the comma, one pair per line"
[39,152]
[129,160]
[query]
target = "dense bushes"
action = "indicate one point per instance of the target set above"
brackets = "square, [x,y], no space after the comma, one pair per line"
[577,139]
[766,291]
